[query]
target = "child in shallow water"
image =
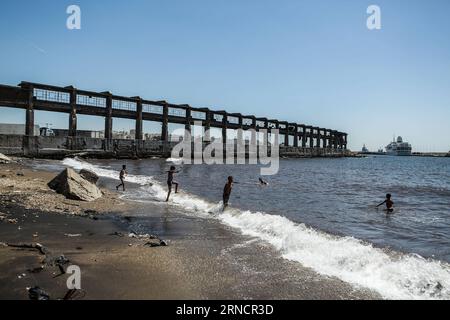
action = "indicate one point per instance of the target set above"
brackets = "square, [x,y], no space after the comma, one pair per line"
[389,204]
[170,182]
[227,192]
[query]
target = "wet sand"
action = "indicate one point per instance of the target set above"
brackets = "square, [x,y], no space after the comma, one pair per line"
[204,259]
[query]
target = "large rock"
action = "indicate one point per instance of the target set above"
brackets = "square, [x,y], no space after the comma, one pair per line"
[4,159]
[89,176]
[73,186]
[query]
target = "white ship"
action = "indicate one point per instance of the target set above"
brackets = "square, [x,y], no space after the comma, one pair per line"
[399,148]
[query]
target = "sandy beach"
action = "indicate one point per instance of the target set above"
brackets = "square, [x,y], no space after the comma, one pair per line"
[203,259]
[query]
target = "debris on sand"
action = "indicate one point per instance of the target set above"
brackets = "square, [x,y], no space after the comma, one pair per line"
[142,236]
[37,293]
[161,243]
[71,235]
[36,270]
[117,233]
[3,216]
[49,260]
[43,250]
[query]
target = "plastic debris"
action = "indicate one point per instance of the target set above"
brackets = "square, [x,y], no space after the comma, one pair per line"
[37,293]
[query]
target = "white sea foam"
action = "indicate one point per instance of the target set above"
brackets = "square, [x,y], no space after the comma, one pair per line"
[393,275]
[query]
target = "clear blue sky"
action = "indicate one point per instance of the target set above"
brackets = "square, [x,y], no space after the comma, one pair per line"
[312,61]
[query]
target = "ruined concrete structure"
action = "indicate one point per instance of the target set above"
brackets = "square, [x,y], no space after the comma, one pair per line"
[307,140]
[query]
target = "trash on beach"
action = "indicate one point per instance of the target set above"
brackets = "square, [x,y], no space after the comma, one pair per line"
[36,270]
[13,221]
[20,276]
[59,262]
[116,233]
[43,250]
[161,243]
[142,236]
[70,235]
[37,293]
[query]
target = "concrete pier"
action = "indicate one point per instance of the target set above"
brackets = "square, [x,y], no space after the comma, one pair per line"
[307,140]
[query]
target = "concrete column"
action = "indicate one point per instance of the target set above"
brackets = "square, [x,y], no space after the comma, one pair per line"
[207,136]
[324,139]
[139,134]
[253,134]
[165,122]
[108,118]
[29,146]
[295,135]
[73,114]
[319,137]
[224,128]
[286,135]
[29,115]
[240,132]
[328,139]
[304,137]
[311,137]
[277,126]
[341,141]
[187,125]
[333,140]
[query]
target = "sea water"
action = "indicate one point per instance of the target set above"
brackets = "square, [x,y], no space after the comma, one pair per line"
[321,213]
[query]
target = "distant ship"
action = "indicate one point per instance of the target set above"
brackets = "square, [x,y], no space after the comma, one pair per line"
[399,148]
[364,149]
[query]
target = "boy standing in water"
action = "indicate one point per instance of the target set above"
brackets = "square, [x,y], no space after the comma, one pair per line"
[227,192]
[389,203]
[122,175]
[170,181]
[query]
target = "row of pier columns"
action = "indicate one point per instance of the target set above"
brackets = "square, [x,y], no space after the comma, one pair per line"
[303,136]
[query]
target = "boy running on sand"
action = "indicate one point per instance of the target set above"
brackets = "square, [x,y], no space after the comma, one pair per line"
[122,176]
